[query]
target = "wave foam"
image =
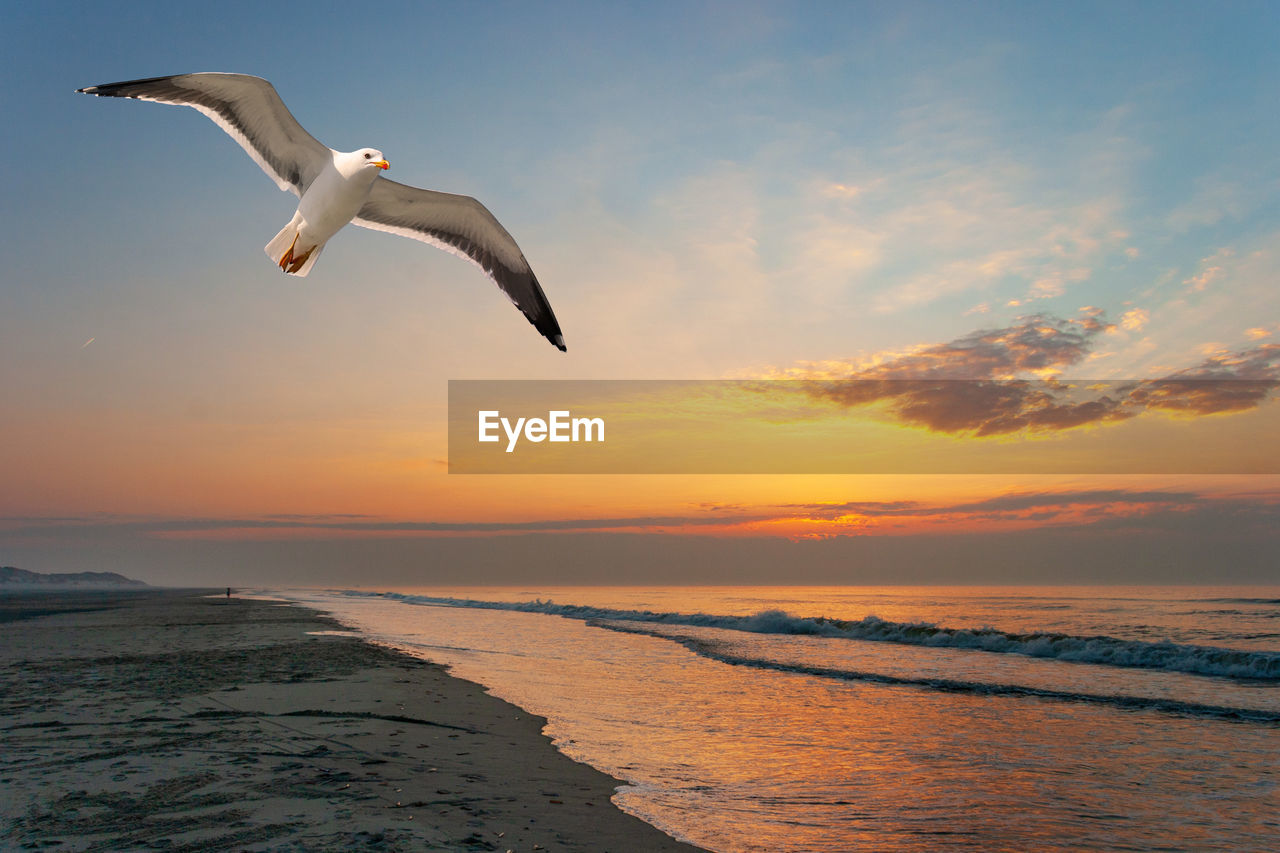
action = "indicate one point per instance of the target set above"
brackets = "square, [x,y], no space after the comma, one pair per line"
[1108,651]
[714,651]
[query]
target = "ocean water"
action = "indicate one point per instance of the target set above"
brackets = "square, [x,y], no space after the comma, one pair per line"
[853,718]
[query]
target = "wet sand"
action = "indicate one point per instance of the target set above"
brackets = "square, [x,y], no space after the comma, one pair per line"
[167,719]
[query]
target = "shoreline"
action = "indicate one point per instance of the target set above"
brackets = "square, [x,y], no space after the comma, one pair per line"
[173,718]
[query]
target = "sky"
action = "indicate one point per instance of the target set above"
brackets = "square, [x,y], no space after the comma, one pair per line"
[806,191]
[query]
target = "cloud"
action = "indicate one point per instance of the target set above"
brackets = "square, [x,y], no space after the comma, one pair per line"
[371,526]
[1003,505]
[967,386]
[1259,363]
[1033,344]
[1037,344]
[1085,507]
[837,190]
[980,408]
[1211,269]
[956,206]
[1134,319]
[1099,509]
[1226,382]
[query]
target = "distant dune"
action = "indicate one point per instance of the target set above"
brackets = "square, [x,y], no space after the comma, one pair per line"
[12,577]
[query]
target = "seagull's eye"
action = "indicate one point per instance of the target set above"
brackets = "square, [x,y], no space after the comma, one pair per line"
[368,156]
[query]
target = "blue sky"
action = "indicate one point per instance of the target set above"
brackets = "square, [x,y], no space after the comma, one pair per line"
[704,190]
[846,177]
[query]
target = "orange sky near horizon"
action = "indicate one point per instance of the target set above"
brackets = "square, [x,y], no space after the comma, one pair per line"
[391,467]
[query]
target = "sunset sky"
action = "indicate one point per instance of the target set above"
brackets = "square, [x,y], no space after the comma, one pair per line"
[984,191]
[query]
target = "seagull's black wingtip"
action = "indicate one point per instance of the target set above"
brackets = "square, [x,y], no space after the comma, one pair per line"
[558,340]
[116,90]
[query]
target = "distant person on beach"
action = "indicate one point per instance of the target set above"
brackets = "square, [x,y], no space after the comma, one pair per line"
[228,592]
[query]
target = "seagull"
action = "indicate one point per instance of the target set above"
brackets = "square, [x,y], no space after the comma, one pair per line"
[336,187]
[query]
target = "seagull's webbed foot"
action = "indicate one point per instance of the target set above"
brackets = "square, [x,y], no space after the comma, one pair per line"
[291,263]
[287,258]
[296,263]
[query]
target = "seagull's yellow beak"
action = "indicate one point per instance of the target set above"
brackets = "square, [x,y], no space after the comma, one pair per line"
[382,164]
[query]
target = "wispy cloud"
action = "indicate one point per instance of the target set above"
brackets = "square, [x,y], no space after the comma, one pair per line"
[1095,508]
[1037,344]
[1215,198]
[1086,507]
[1004,506]
[1211,270]
[323,523]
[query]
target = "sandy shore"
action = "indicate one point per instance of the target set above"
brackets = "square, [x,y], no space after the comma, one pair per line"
[165,720]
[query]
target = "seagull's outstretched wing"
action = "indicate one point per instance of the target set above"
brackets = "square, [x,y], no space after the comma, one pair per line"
[248,109]
[463,226]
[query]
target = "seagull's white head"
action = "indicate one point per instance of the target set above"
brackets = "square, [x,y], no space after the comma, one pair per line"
[372,158]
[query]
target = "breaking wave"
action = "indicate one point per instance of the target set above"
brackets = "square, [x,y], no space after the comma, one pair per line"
[1242,600]
[721,652]
[1107,651]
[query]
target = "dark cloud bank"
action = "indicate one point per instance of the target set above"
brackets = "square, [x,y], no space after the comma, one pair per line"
[1040,556]
[1112,536]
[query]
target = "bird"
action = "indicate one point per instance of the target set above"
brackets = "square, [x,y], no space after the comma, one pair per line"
[335,188]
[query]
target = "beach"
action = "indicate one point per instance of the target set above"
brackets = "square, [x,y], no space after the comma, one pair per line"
[189,721]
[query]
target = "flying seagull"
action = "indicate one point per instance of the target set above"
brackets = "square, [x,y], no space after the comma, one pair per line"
[335,187]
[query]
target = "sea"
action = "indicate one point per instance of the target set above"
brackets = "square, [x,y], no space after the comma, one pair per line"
[887,718]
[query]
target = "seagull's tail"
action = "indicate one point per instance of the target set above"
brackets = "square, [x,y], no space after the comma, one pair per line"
[291,258]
